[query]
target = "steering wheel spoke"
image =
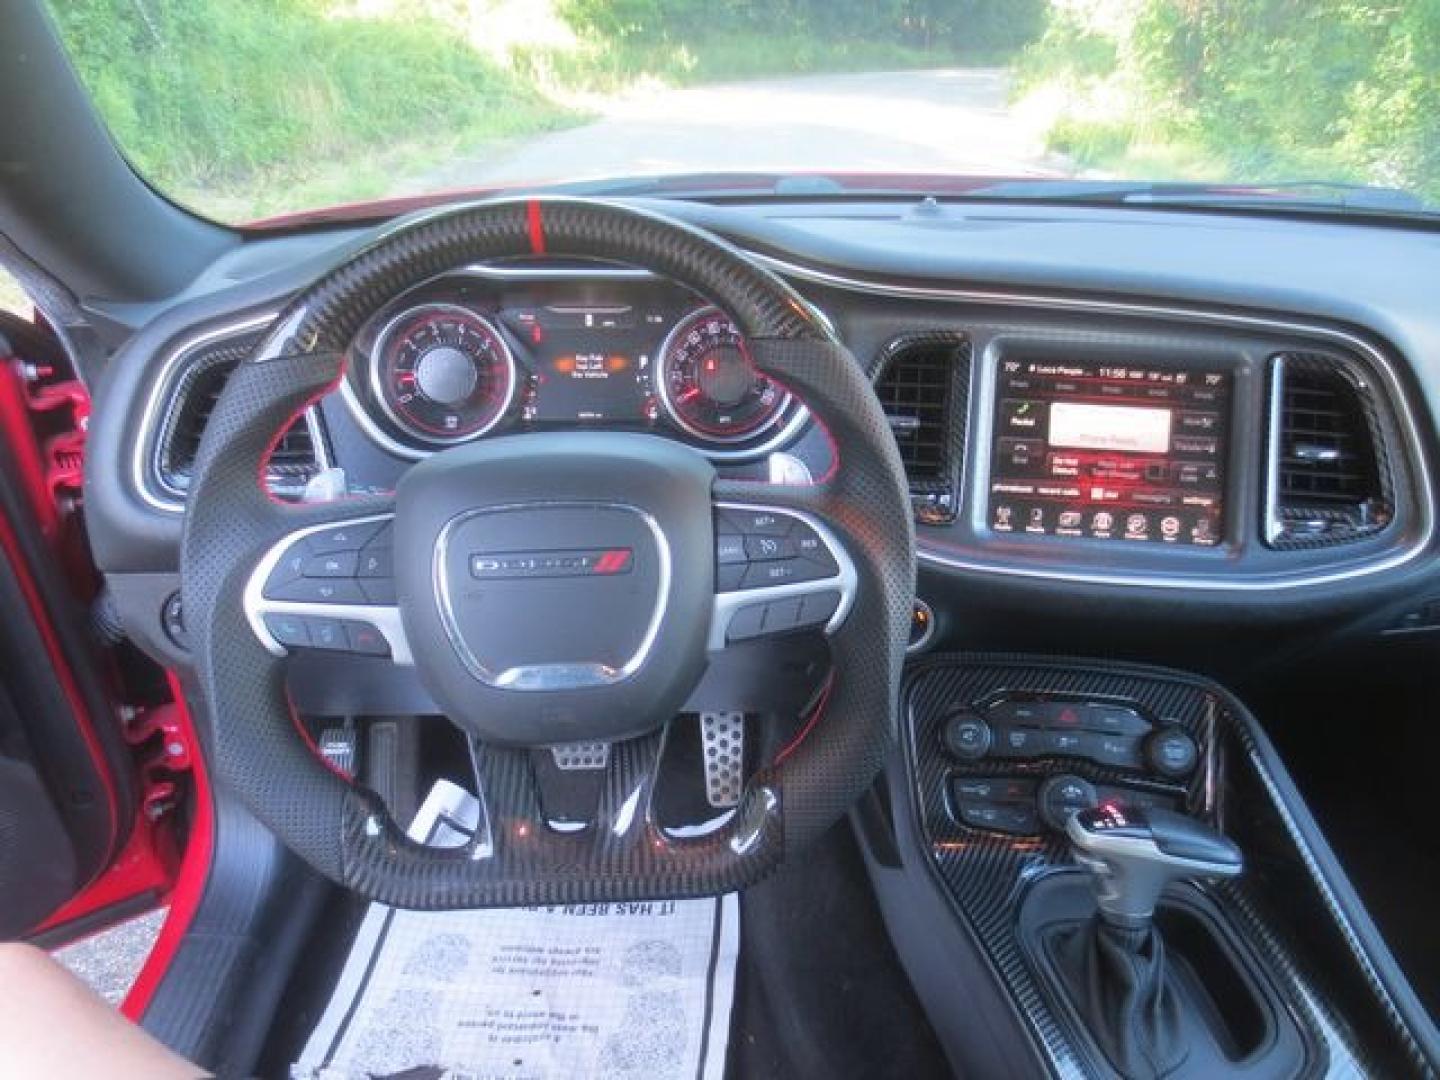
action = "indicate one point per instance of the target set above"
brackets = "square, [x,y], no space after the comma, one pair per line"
[328,584]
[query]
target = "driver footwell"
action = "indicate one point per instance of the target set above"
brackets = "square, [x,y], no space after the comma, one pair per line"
[817,988]
[625,990]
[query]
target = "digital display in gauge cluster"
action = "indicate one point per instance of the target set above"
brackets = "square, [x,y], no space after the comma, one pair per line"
[588,363]
[1110,451]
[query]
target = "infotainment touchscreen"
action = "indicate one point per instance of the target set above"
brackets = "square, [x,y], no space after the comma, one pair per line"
[1109,451]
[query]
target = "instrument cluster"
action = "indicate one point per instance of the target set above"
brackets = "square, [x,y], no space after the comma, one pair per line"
[467,356]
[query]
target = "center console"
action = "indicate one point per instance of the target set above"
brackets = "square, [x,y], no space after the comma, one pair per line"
[997,900]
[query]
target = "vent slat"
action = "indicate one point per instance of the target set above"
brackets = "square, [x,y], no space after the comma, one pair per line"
[915,393]
[292,463]
[923,386]
[1329,479]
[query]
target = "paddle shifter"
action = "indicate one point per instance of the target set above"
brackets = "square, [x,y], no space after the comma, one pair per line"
[1114,965]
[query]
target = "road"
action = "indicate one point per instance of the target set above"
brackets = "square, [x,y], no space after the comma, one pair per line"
[951,120]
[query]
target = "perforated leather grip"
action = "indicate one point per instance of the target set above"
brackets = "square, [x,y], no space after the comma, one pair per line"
[345,832]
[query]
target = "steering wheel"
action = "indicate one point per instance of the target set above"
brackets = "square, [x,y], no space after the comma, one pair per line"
[549,589]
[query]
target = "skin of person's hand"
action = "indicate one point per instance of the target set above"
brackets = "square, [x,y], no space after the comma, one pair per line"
[52,1024]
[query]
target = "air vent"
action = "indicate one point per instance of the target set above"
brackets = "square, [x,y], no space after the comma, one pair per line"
[294,460]
[922,385]
[1330,480]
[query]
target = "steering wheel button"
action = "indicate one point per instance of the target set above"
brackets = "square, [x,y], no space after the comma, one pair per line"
[288,630]
[378,590]
[335,564]
[768,548]
[730,576]
[365,639]
[290,567]
[376,562]
[762,575]
[328,634]
[342,538]
[782,615]
[319,591]
[817,608]
[761,522]
[748,622]
[729,548]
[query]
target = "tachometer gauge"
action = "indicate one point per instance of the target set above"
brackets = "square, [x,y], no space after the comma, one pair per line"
[442,373]
[709,386]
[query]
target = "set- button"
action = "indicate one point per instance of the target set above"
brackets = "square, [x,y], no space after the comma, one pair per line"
[344,564]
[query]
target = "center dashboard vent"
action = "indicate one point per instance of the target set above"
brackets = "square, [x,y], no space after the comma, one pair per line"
[295,460]
[1330,479]
[923,385]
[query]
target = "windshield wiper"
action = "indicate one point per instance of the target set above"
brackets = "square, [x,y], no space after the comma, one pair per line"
[1305,195]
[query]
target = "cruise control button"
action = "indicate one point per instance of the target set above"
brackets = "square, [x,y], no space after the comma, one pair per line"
[366,639]
[780,572]
[729,548]
[376,562]
[328,634]
[288,629]
[767,548]
[319,591]
[759,522]
[817,608]
[342,538]
[808,545]
[335,564]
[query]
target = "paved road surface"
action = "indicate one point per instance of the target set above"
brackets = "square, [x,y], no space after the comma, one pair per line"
[953,120]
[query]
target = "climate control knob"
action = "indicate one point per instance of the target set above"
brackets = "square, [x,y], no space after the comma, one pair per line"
[1171,752]
[967,736]
[1062,795]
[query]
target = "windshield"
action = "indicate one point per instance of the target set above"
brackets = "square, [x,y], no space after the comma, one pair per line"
[243,109]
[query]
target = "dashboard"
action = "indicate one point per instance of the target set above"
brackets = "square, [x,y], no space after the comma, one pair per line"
[1124,442]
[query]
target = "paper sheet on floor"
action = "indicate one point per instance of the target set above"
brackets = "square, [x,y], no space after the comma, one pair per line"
[603,990]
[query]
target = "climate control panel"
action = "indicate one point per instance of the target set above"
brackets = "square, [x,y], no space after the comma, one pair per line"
[1007,749]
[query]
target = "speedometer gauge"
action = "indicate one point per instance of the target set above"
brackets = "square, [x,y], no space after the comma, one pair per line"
[708,384]
[442,373]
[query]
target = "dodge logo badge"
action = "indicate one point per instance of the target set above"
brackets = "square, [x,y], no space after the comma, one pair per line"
[584,562]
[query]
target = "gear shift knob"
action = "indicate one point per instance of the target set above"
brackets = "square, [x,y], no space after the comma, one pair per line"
[1132,854]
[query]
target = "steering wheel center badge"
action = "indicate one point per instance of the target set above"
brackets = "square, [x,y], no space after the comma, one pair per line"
[569,562]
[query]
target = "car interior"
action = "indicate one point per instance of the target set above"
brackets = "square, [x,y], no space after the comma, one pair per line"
[987,596]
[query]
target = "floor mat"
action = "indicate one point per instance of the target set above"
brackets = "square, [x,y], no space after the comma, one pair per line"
[616,990]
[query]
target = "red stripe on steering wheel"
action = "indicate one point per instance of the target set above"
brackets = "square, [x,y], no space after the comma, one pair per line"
[537,231]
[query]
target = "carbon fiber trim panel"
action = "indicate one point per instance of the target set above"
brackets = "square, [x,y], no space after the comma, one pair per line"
[1281,904]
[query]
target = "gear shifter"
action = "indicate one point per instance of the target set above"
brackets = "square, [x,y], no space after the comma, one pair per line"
[1114,964]
[1133,854]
